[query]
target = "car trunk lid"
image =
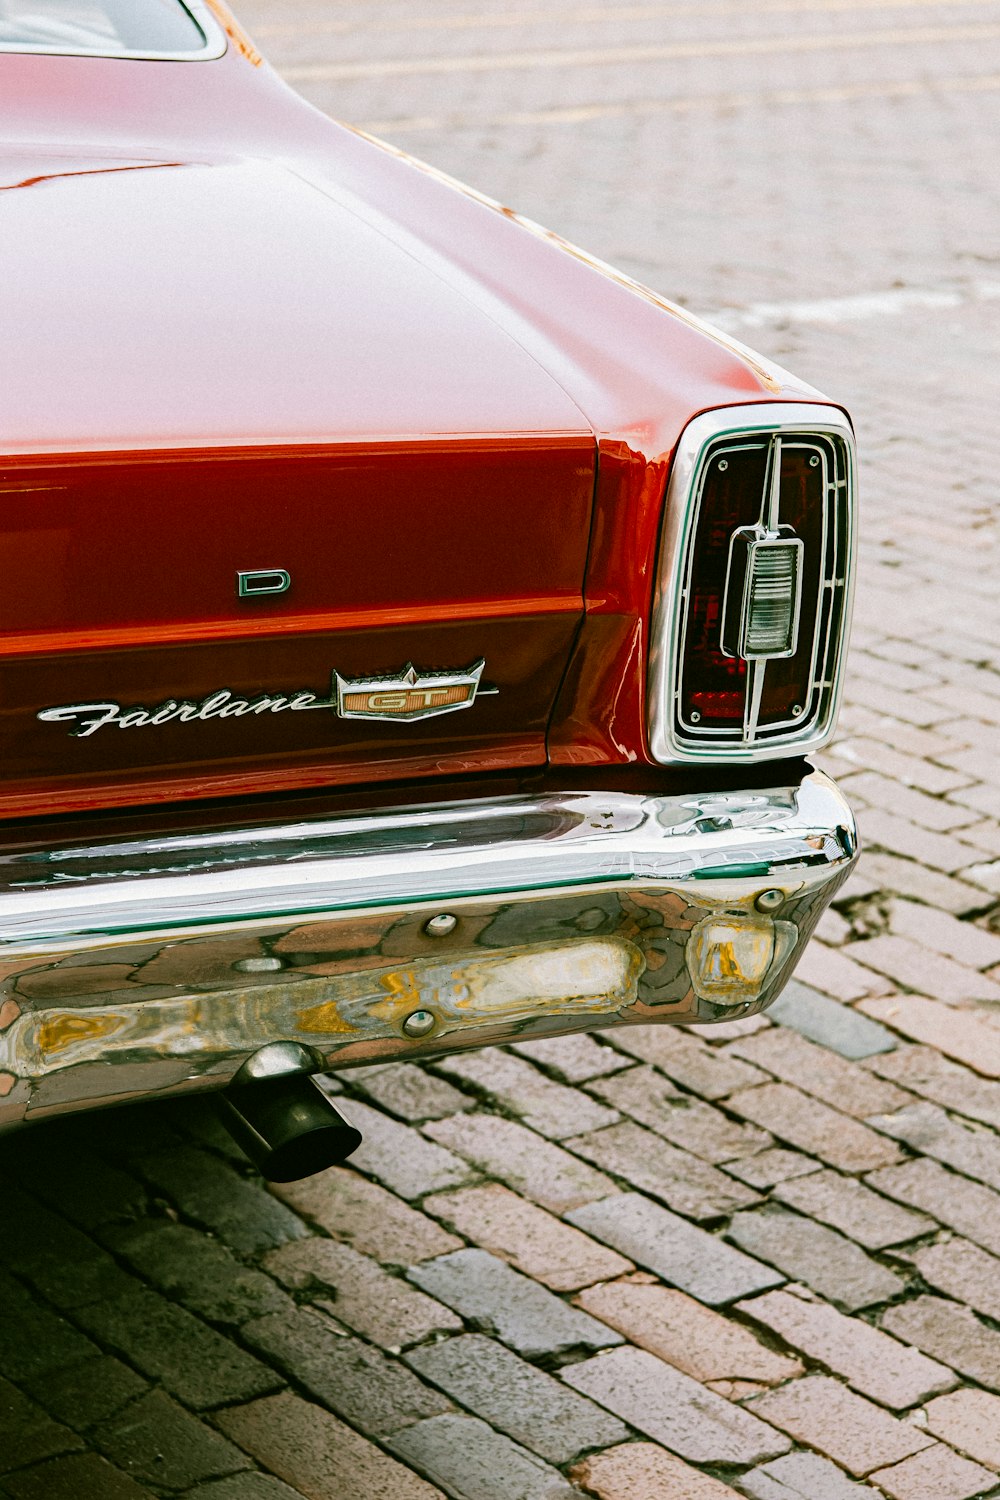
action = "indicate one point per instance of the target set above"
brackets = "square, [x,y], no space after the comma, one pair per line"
[215,370]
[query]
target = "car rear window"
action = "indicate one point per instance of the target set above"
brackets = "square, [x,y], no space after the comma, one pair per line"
[107,28]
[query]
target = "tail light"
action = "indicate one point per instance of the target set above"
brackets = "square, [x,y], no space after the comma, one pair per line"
[753,593]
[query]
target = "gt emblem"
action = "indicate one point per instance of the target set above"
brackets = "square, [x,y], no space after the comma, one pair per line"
[411,695]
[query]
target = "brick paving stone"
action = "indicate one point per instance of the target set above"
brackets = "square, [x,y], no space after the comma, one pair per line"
[491,1296]
[384,1308]
[157,1442]
[844,1204]
[33,1338]
[963,1035]
[368,1217]
[829,1023]
[971,946]
[818,1072]
[27,1433]
[906,801]
[982,800]
[681,1119]
[169,1344]
[988,874]
[707,1071]
[684,1255]
[527,1236]
[978,762]
[575,1058]
[906,706]
[963,1205]
[244,1487]
[963,1271]
[767,1168]
[892,674]
[833,1266]
[83,1394]
[400,1157]
[82,1476]
[198,1272]
[79,1185]
[802,1476]
[683,1182]
[526,1162]
[373,1393]
[834,972]
[409,1092]
[909,878]
[672,1409]
[915,967]
[949,1333]
[319,1457]
[548,1107]
[243,1215]
[926,1072]
[825,1415]
[874,1364]
[966,700]
[985,835]
[970,1421]
[813,1127]
[833,929]
[911,770]
[703,1344]
[533,1408]
[472,1462]
[941,851]
[935,1474]
[970,1149]
[924,743]
[645,1471]
[39,1245]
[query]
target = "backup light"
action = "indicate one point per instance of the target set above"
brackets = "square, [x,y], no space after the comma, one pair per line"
[763,595]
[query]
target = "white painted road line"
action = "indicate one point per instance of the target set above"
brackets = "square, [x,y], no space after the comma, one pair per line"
[600,57]
[855,308]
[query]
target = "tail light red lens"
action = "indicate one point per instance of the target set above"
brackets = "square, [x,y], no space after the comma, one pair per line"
[714,686]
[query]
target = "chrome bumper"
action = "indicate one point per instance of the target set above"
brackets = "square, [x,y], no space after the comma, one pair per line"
[146,968]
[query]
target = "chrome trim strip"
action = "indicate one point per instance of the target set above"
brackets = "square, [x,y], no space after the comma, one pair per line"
[667,631]
[215,43]
[161,965]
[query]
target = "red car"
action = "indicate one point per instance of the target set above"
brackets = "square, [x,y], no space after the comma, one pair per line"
[413,628]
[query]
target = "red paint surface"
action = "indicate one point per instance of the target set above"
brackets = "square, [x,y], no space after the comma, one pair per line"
[244,336]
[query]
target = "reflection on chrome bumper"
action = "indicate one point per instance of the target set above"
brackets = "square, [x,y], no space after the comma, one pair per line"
[139,968]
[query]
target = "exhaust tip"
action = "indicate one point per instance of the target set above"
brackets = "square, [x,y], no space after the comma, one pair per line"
[287,1126]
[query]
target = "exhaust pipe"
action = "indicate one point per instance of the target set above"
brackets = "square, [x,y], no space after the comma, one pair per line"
[284,1122]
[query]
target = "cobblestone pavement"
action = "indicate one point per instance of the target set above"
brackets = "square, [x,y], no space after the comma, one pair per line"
[759,1260]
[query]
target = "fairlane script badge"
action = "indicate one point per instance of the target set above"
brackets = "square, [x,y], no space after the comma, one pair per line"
[406,695]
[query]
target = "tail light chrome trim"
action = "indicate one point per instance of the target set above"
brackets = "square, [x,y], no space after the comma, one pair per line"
[780,426]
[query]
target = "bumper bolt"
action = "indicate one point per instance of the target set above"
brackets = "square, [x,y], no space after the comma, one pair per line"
[419,1023]
[441,925]
[770,900]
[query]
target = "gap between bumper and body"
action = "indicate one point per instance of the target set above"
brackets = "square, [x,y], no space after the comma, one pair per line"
[146,968]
